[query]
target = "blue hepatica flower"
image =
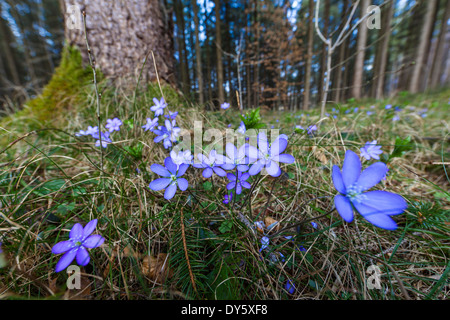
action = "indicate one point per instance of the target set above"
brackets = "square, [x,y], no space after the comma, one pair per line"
[242,129]
[311,129]
[371,150]
[290,287]
[89,132]
[265,243]
[238,182]
[80,239]
[268,155]
[228,198]
[171,115]
[388,106]
[159,106]
[375,206]
[170,178]
[168,133]
[105,139]
[225,105]
[236,158]
[211,163]
[151,124]
[182,157]
[113,124]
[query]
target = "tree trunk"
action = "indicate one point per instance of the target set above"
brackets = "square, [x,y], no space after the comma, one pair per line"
[360,49]
[198,53]
[440,56]
[219,54]
[383,52]
[422,48]
[326,23]
[121,34]
[309,55]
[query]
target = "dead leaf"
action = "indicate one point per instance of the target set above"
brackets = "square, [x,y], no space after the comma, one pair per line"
[320,155]
[271,223]
[156,268]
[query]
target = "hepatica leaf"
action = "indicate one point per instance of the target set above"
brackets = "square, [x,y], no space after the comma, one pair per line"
[401,146]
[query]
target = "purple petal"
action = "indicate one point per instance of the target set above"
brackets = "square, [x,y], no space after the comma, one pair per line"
[219,171]
[238,188]
[160,170]
[371,176]
[66,260]
[83,257]
[278,146]
[241,167]
[207,173]
[256,168]
[273,169]
[182,169]
[89,228]
[93,241]
[170,191]
[375,217]
[159,184]
[385,202]
[351,168]
[231,177]
[182,184]
[263,144]
[284,158]
[76,232]
[344,207]
[246,184]
[231,185]
[62,247]
[172,167]
[231,151]
[252,153]
[337,180]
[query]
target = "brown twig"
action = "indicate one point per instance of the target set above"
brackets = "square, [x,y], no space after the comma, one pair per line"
[183,235]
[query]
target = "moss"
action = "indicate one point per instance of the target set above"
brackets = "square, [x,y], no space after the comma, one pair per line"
[59,98]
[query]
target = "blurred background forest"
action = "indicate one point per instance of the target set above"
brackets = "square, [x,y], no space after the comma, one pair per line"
[268,51]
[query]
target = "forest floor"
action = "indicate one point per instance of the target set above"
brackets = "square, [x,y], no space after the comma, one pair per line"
[195,246]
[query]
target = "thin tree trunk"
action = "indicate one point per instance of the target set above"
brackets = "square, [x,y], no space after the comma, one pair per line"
[422,48]
[384,48]
[326,17]
[439,60]
[198,53]
[360,48]
[309,55]
[219,54]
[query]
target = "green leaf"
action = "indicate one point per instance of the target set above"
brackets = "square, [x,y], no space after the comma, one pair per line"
[401,146]
[207,185]
[226,226]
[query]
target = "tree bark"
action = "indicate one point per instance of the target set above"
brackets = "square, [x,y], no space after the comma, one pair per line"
[121,34]
[198,53]
[422,48]
[309,54]
[326,23]
[440,56]
[219,54]
[383,53]
[360,48]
